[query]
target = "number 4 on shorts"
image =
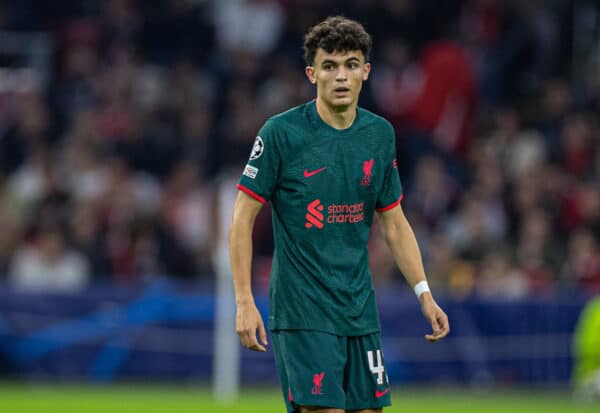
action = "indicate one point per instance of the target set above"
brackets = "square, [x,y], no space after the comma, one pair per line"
[377,368]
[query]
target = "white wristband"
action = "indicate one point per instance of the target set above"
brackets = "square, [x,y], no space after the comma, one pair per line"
[420,288]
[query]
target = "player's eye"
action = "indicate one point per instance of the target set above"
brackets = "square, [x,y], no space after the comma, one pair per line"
[327,67]
[352,65]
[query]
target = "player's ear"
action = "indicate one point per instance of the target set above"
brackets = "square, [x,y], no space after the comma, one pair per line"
[310,74]
[367,70]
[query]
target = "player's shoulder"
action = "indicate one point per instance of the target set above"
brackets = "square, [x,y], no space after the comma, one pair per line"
[380,131]
[292,117]
[287,126]
[374,120]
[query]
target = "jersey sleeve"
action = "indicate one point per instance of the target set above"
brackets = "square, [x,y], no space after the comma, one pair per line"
[262,170]
[390,194]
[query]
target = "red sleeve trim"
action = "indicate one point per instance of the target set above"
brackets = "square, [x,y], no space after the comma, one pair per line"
[251,193]
[393,205]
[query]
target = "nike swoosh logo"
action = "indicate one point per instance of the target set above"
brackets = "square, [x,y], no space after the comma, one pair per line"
[308,174]
[379,394]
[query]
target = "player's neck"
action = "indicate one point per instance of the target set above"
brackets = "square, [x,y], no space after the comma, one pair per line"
[337,119]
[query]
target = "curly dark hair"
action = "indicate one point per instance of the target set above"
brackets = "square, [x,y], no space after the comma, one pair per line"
[336,34]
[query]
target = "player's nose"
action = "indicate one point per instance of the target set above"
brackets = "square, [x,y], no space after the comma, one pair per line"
[341,74]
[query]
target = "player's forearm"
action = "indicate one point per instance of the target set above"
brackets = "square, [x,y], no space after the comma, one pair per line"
[245,211]
[240,252]
[402,242]
[407,254]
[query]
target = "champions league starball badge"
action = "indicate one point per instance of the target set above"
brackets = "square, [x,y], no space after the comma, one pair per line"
[257,149]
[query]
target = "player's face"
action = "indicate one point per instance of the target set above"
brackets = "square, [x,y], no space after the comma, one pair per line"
[339,77]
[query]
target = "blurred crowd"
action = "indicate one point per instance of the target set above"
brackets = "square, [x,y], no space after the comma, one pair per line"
[120,164]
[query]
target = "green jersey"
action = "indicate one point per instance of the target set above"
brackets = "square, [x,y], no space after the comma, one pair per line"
[324,185]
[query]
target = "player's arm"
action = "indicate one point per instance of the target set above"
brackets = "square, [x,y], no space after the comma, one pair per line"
[401,240]
[248,319]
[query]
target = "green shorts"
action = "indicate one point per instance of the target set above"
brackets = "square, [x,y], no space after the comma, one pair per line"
[325,370]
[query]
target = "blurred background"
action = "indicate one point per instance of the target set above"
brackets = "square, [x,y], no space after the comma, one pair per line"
[125,124]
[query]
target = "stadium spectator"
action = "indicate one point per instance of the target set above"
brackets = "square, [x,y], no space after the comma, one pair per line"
[432,191]
[447,271]
[48,265]
[234,34]
[581,269]
[86,237]
[518,149]
[499,278]
[444,107]
[536,253]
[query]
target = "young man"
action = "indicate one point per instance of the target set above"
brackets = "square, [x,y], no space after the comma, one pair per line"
[326,166]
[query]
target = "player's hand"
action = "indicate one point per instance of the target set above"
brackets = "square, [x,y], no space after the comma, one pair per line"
[248,321]
[436,317]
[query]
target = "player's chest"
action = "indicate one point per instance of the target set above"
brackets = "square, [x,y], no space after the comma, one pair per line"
[334,169]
